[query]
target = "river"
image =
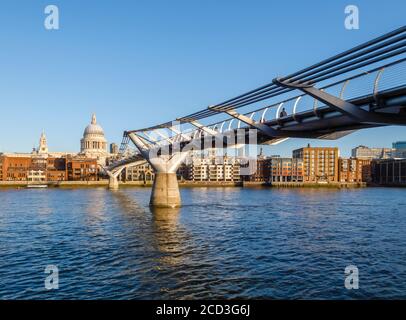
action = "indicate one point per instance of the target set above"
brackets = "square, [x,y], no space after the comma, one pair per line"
[223,243]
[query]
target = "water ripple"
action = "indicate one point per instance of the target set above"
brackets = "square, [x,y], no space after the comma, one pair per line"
[223,243]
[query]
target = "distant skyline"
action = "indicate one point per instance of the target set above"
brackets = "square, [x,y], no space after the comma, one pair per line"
[138,63]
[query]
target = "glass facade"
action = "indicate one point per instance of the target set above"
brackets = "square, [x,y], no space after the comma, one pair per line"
[399,145]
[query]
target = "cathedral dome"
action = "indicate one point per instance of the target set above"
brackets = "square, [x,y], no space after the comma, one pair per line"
[94,144]
[93,128]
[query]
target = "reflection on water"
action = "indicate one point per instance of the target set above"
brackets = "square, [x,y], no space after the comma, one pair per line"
[223,243]
[170,237]
[128,204]
[96,206]
[44,200]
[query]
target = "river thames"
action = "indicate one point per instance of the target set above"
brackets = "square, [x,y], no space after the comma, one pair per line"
[223,243]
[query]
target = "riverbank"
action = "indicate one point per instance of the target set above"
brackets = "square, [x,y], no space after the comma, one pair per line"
[334,185]
[182,184]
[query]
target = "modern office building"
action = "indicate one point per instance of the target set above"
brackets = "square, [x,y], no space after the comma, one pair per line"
[113,149]
[389,172]
[363,152]
[399,145]
[399,150]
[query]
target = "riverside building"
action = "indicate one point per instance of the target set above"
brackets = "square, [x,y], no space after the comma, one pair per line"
[399,149]
[363,152]
[41,165]
[262,172]
[142,172]
[285,170]
[354,170]
[391,172]
[32,168]
[320,164]
[210,168]
[213,168]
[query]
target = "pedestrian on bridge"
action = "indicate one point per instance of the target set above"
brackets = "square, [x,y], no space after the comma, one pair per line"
[283,113]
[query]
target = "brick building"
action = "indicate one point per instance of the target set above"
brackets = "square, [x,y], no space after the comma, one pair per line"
[285,170]
[43,168]
[320,164]
[354,170]
[262,171]
[15,168]
[80,168]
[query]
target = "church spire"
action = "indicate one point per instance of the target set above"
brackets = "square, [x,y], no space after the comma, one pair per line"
[94,120]
[43,147]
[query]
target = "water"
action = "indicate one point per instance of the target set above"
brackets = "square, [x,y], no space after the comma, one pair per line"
[223,243]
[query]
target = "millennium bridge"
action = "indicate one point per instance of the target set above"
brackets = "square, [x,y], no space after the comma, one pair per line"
[363,87]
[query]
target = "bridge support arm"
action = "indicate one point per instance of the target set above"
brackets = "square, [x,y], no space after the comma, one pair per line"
[165,190]
[259,126]
[140,144]
[202,127]
[113,177]
[180,133]
[280,135]
[330,100]
[115,171]
[343,106]
[163,136]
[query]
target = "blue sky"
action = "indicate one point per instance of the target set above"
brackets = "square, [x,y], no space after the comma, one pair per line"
[137,63]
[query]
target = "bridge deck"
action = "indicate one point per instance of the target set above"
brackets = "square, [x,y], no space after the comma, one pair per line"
[380,100]
[331,120]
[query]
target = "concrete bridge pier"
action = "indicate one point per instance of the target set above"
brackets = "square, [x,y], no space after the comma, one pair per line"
[113,177]
[114,171]
[113,182]
[165,190]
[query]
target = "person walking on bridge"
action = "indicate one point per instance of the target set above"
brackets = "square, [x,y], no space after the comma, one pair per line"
[283,113]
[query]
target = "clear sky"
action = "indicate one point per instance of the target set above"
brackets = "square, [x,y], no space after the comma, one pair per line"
[136,63]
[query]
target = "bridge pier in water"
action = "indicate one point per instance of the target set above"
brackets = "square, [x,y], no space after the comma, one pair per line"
[113,182]
[165,189]
[115,172]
